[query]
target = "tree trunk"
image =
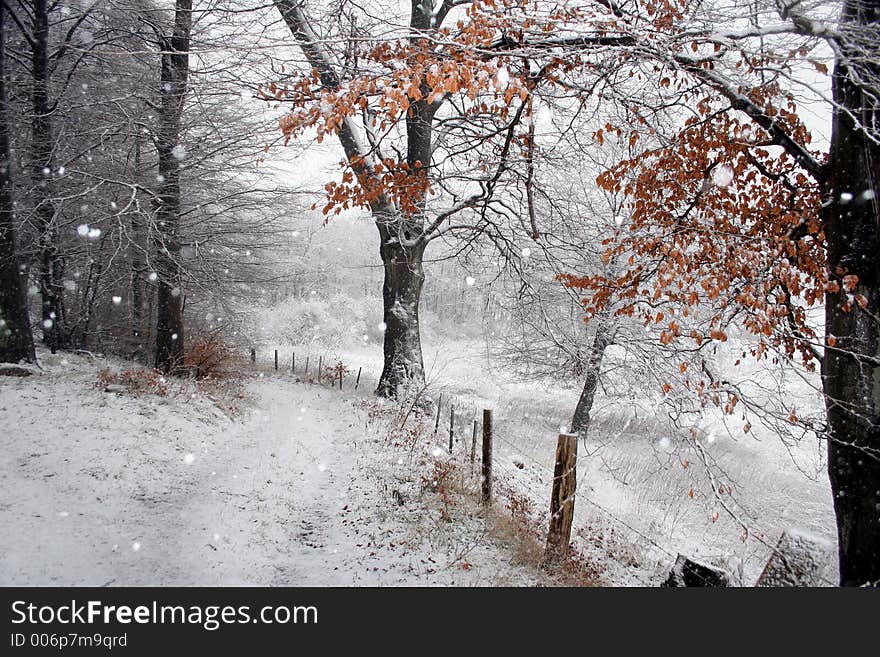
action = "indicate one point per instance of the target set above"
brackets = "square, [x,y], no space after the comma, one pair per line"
[401,291]
[175,71]
[851,366]
[136,250]
[16,341]
[580,423]
[42,156]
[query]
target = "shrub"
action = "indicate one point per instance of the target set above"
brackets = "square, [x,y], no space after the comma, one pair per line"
[135,381]
[211,357]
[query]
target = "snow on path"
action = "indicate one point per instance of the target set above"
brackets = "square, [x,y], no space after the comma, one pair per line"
[105,489]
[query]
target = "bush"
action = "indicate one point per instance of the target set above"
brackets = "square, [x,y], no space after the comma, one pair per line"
[135,381]
[211,357]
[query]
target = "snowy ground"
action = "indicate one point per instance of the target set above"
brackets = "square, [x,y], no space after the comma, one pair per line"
[643,493]
[114,489]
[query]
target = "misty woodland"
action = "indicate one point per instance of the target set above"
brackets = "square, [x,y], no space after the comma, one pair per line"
[447,292]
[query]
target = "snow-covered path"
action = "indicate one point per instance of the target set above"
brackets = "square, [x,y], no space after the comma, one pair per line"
[104,489]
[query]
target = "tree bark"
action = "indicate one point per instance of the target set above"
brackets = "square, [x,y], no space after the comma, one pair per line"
[401,290]
[137,248]
[16,340]
[580,422]
[175,72]
[42,163]
[851,366]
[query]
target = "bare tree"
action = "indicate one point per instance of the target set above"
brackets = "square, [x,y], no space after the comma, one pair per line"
[16,341]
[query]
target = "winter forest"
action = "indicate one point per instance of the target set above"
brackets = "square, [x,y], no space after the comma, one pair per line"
[440,292]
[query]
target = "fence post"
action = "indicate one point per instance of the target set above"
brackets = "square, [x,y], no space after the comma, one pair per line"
[487,456]
[276,360]
[358,380]
[253,356]
[293,363]
[320,367]
[474,446]
[439,407]
[451,426]
[562,500]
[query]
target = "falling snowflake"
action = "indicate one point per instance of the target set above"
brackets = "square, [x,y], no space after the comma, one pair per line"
[526,252]
[116,300]
[82,230]
[722,176]
[178,152]
[189,459]
[382,326]
[470,280]
[136,546]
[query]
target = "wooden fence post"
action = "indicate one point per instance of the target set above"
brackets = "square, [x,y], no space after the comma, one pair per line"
[276,360]
[451,426]
[320,367]
[439,406]
[253,356]
[562,500]
[293,363]
[487,456]
[474,446]
[358,380]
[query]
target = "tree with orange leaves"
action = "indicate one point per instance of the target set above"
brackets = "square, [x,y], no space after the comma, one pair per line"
[734,213]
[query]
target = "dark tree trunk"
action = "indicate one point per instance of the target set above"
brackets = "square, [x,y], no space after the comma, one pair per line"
[16,341]
[851,368]
[137,249]
[42,162]
[580,422]
[402,247]
[175,71]
[401,290]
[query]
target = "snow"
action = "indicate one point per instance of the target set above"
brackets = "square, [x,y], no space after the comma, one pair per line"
[266,502]
[722,176]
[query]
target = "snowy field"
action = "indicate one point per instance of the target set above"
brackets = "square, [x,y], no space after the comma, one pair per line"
[644,493]
[288,483]
[298,488]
